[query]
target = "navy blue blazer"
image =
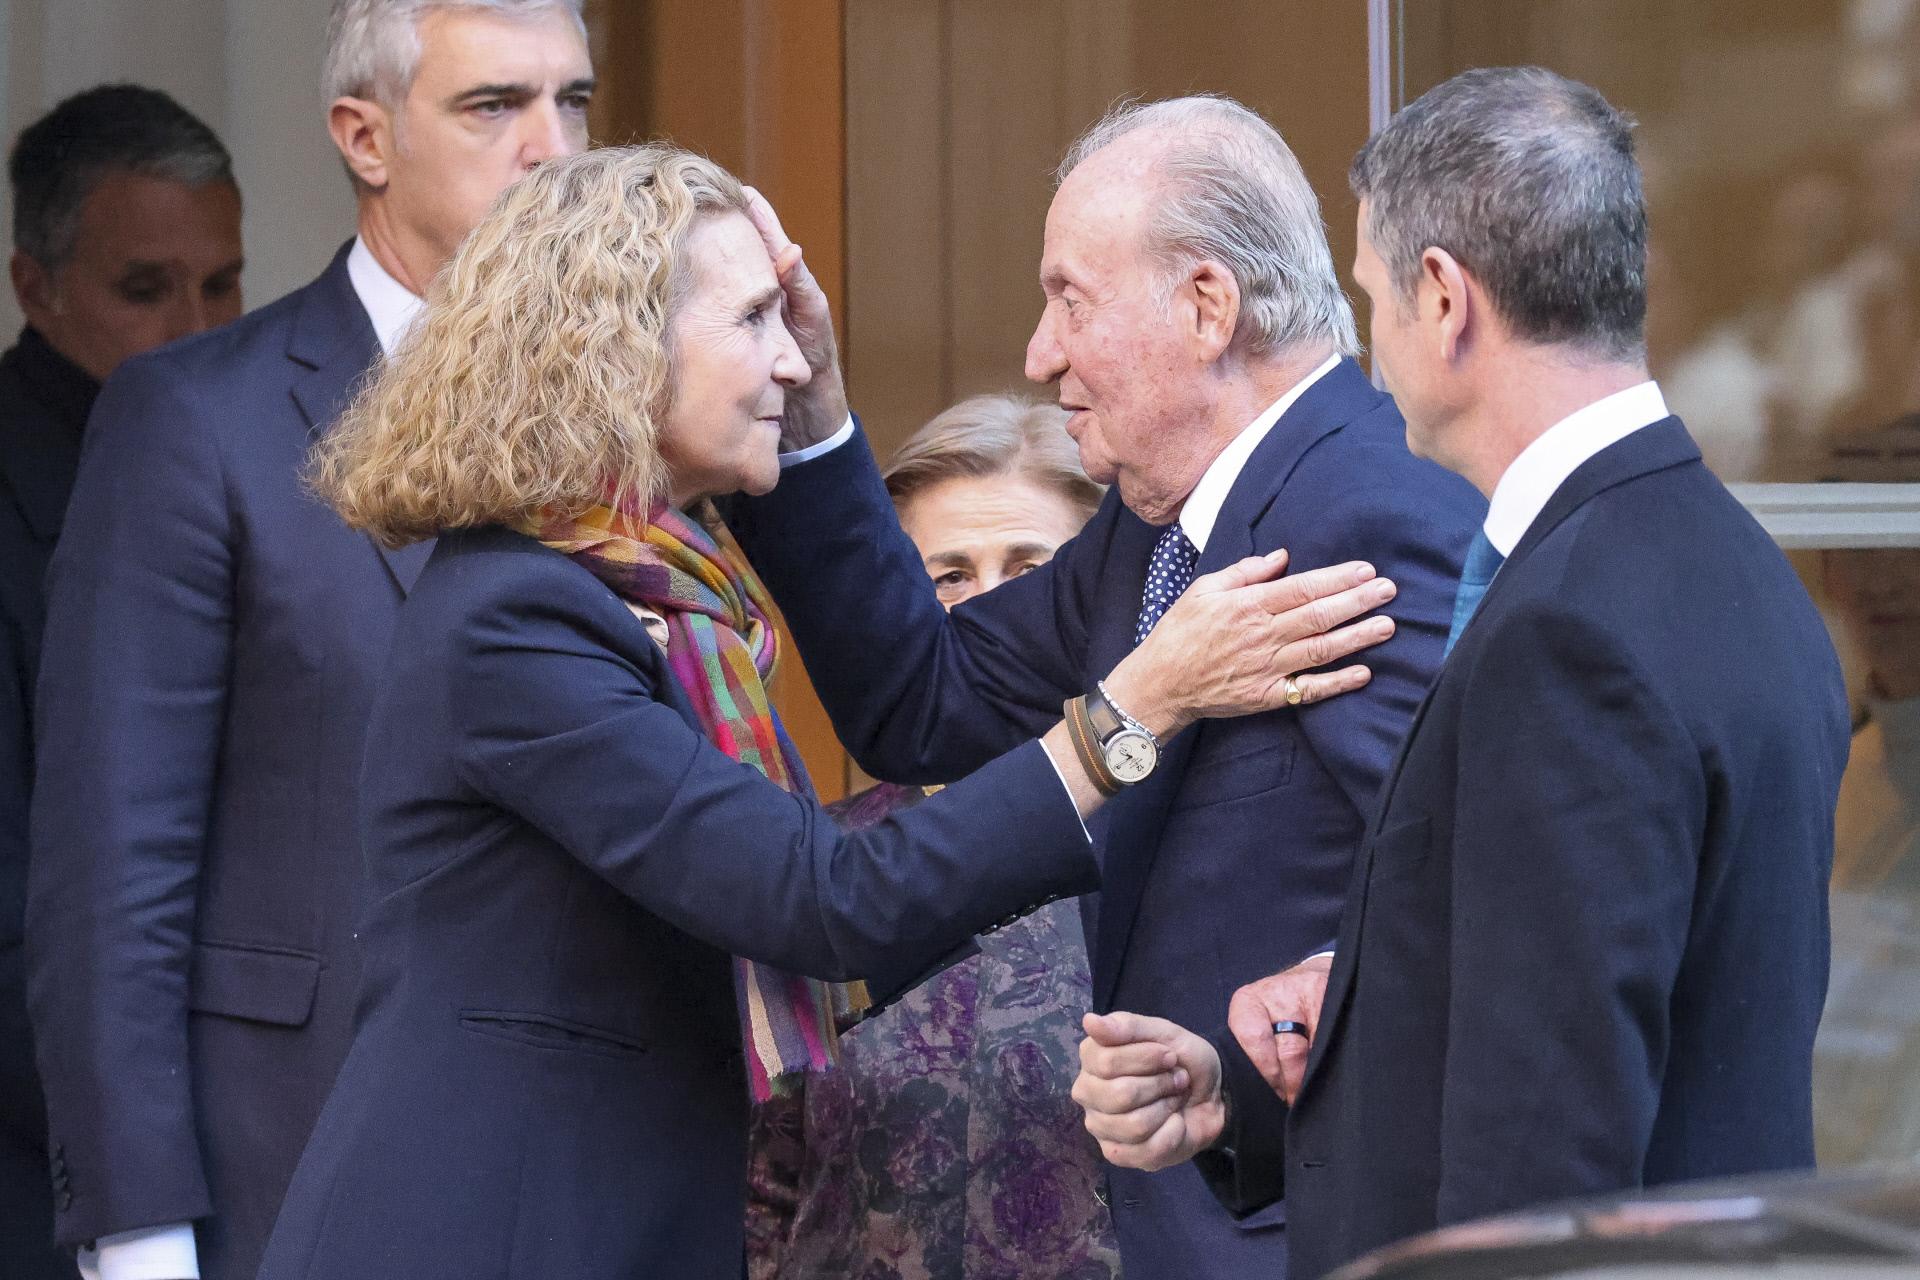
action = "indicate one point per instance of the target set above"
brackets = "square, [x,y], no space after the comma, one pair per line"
[1232,860]
[546,1080]
[44,401]
[1586,946]
[213,633]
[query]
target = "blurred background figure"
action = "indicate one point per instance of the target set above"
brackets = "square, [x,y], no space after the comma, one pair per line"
[1868,1052]
[947,1146]
[126,233]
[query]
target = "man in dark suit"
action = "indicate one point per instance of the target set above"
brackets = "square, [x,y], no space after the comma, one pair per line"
[213,635]
[1619,796]
[126,232]
[1194,326]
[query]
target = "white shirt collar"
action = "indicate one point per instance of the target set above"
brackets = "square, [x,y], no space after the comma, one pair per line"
[1202,507]
[1543,466]
[390,305]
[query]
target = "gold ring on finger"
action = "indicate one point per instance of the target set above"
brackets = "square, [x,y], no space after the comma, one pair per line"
[1295,694]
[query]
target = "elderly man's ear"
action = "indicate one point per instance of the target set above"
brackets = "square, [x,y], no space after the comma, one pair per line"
[363,131]
[1215,298]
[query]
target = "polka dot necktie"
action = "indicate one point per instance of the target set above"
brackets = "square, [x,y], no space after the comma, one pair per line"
[1168,574]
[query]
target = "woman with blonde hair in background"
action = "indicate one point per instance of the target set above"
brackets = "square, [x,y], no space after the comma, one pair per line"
[595,867]
[947,1147]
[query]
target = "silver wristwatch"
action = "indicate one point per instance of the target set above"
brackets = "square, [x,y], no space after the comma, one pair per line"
[1130,750]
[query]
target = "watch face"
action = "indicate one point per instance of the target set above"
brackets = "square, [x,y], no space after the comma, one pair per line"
[1131,755]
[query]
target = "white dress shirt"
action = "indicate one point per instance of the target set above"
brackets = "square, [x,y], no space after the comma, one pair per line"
[1532,479]
[1202,507]
[390,305]
[168,1252]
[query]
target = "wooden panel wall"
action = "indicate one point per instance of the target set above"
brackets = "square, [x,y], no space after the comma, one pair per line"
[958,111]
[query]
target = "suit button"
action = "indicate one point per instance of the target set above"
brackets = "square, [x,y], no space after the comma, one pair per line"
[66,1200]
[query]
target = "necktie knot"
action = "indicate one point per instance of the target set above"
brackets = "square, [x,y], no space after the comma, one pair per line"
[1169,573]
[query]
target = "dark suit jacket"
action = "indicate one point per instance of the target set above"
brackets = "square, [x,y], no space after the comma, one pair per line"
[546,1080]
[1586,946]
[44,400]
[1233,859]
[212,637]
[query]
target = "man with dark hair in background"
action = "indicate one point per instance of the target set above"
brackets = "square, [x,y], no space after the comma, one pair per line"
[213,637]
[1585,945]
[126,235]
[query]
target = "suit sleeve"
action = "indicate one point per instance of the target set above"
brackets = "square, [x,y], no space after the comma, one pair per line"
[917,695]
[1580,812]
[1412,522]
[1246,1169]
[131,698]
[563,731]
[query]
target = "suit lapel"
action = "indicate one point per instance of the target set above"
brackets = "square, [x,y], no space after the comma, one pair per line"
[332,348]
[1654,448]
[1134,821]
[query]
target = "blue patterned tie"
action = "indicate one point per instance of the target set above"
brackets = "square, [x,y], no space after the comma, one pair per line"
[1168,574]
[1475,577]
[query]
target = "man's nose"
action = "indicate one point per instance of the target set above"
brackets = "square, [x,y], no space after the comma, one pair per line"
[188,316]
[1044,359]
[547,134]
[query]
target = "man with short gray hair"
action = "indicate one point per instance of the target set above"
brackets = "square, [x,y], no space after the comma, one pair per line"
[1194,326]
[1585,948]
[213,637]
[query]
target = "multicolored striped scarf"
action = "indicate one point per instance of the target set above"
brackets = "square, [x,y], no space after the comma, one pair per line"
[722,648]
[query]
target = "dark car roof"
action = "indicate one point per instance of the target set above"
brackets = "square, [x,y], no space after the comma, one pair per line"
[1864,1217]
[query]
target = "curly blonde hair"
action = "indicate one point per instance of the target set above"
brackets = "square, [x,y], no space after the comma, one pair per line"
[539,371]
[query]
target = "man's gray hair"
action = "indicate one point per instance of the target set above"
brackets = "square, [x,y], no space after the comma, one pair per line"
[1233,192]
[62,157]
[1529,180]
[373,46]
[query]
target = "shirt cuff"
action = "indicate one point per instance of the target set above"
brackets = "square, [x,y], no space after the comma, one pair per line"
[151,1253]
[1069,790]
[813,451]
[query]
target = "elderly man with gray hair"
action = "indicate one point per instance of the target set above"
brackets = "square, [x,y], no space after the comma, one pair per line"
[1195,329]
[1585,949]
[213,636]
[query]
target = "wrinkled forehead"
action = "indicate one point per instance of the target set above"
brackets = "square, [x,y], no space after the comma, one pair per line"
[1099,215]
[463,48]
[726,261]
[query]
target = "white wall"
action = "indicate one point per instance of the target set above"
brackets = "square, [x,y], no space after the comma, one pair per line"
[249,68]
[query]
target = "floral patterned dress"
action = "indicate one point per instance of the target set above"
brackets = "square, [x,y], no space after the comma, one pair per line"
[946,1147]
